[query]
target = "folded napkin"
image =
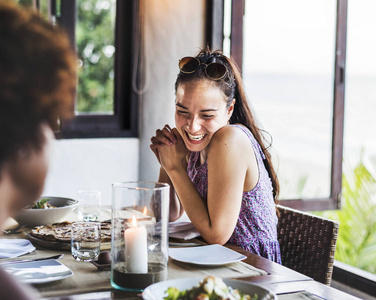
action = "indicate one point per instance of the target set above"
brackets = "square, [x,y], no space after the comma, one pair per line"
[10,248]
[182,230]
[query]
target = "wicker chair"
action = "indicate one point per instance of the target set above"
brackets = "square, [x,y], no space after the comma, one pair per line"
[308,243]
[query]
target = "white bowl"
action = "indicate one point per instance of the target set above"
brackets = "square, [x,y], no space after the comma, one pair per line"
[33,217]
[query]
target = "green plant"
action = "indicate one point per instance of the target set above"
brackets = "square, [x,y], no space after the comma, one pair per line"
[95,42]
[95,49]
[356,244]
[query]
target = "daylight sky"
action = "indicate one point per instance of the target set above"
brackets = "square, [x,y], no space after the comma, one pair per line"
[298,36]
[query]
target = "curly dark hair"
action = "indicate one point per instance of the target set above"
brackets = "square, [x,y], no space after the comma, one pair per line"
[232,87]
[37,78]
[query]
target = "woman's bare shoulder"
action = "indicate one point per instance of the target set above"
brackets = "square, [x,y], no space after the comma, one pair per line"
[231,140]
[229,134]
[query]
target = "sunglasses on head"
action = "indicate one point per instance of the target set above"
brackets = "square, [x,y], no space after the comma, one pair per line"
[214,71]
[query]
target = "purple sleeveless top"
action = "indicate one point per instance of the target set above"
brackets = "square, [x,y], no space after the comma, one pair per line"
[256,228]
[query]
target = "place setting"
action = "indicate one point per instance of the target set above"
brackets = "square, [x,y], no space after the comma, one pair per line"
[30,270]
[42,224]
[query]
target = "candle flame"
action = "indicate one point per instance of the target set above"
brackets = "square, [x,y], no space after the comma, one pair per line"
[134,222]
[145,211]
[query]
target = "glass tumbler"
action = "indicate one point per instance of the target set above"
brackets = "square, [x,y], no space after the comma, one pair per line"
[139,241]
[89,206]
[86,240]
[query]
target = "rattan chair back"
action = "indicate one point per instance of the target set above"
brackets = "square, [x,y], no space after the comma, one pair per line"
[308,243]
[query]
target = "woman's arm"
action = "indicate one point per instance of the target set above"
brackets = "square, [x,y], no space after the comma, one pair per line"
[162,138]
[229,161]
[176,210]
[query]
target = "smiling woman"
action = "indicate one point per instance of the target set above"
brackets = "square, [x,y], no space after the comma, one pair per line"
[215,160]
[199,114]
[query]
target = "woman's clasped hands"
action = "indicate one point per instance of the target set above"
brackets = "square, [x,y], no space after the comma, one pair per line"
[169,148]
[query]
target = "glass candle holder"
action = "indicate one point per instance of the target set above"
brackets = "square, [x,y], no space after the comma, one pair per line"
[139,242]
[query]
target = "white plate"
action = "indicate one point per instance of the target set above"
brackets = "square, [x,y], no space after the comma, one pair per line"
[39,271]
[157,291]
[206,255]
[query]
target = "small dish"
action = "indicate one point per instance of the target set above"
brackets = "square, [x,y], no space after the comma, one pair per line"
[100,266]
[213,255]
[103,262]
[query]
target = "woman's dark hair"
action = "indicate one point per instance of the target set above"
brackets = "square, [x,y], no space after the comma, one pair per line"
[37,78]
[232,86]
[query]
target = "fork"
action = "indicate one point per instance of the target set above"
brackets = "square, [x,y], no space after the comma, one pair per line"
[14,230]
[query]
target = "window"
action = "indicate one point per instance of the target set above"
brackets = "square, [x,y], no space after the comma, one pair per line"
[101,32]
[360,124]
[292,54]
[95,43]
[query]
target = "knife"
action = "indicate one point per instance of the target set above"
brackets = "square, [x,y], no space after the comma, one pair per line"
[31,260]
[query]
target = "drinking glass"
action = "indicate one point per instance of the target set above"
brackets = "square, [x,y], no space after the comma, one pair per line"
[86,240]
[139,241]
[89,205]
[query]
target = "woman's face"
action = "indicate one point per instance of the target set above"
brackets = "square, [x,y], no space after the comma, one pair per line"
[200,112]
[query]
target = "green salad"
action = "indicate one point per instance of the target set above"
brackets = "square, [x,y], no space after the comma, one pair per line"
[210,288]
[42,204]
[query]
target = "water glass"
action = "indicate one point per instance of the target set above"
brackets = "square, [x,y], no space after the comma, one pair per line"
[89,206]
[86,240]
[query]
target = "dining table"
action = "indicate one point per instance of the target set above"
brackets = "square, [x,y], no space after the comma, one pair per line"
[90,282]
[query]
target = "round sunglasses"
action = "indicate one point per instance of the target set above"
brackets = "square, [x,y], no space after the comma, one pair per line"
[214,71]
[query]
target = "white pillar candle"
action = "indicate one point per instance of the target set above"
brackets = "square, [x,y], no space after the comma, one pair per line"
[136,250]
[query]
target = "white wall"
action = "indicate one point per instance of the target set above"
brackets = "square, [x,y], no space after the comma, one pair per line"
[172,29]
[91,164]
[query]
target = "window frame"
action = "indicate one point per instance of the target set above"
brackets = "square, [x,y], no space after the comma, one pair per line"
[123,122]
[236,49]
[214,24]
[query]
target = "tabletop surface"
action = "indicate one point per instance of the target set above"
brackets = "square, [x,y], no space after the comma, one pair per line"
[286,283]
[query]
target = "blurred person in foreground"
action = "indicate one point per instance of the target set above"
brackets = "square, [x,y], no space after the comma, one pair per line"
[37,86]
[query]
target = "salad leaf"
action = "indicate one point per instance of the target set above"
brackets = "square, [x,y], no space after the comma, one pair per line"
[40,204]
[210,288]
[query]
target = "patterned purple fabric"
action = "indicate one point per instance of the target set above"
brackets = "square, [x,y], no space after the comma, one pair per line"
[256,228]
